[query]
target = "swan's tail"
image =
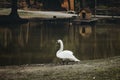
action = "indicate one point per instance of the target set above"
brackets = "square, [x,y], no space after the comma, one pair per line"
[77,60]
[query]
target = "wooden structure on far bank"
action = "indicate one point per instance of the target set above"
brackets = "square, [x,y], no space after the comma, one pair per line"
[85,13]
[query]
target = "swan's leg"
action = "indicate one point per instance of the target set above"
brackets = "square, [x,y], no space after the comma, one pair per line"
[63,62]
[66,62]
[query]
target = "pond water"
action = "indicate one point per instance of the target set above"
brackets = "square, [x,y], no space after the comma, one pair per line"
[35,42]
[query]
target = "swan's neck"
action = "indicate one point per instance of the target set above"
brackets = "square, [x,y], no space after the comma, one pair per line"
[61,46]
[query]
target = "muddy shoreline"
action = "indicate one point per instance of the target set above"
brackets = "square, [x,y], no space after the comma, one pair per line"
[101,69]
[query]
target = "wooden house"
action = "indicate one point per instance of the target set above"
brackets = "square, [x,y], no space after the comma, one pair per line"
[85,13]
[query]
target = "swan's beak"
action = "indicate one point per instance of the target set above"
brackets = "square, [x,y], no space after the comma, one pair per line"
[57,42]
[57,45]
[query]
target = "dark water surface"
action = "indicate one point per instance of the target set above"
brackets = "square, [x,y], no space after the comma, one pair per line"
[35,42]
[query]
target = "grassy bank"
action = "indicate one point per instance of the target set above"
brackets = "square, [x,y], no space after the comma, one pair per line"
[102,69]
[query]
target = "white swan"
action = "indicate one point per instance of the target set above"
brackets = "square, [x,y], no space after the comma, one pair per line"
[65,54]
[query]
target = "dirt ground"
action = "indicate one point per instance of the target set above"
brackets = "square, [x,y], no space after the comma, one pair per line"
[101,69]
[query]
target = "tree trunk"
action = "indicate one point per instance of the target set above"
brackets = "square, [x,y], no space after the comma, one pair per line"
[83,3]
[14,8]
[28,3]
[69,6]
[35,1]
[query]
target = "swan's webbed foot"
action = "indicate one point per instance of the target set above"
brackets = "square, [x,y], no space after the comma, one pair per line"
[64,62]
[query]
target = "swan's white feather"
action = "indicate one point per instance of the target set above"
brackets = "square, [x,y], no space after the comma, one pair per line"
[65,54]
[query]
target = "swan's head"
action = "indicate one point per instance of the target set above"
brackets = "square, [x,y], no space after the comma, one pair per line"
[61,44]
[59,41]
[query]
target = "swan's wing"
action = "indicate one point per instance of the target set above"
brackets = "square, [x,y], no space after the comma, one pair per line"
[67,51]
[67,55]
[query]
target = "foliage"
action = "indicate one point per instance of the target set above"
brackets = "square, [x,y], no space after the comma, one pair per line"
[115,10]
[102,7]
